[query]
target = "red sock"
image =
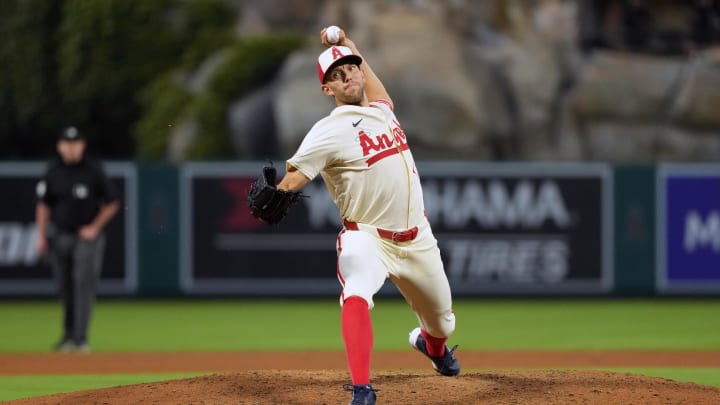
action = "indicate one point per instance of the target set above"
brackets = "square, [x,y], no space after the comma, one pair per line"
[358,336]
[435,346]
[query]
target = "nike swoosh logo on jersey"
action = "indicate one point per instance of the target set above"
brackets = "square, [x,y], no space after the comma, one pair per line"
[355,124]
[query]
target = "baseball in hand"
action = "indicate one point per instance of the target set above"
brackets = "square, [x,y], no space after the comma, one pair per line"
[332,33]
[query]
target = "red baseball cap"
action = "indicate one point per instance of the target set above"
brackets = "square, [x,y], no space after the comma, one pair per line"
[332,56]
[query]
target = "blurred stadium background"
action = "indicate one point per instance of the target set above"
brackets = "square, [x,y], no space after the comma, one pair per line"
[567,147]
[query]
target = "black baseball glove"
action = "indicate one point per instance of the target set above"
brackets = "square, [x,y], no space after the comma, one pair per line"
[266,202]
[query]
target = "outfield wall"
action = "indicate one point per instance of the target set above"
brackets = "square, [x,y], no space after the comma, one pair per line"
[503,229]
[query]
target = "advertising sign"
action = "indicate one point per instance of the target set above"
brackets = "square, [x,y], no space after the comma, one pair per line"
[226,250]
[22,271]
[520,228]
[689,228]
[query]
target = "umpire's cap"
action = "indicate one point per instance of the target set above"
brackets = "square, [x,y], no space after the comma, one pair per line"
[332,56]
[71,134]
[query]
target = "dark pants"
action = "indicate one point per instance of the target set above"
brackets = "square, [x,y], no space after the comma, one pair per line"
[76,264]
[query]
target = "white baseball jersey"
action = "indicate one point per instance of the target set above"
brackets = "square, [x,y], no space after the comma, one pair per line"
[363,157]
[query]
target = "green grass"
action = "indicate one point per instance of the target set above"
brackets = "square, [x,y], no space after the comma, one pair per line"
[257,325]
[315,325]
[589,325]
[16,387]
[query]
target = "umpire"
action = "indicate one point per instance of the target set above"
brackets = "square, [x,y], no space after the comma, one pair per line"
[75,202]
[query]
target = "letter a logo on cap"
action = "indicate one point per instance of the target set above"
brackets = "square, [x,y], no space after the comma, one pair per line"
[336,53]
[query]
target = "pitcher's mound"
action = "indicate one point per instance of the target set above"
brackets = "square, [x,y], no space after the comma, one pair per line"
[401,387]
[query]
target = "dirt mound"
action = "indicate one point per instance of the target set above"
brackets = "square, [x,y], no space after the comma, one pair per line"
[400,387]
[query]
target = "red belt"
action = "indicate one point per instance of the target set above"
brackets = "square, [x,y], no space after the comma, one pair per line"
[395,236]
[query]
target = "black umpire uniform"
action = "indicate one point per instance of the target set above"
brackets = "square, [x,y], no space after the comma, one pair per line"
[75,202]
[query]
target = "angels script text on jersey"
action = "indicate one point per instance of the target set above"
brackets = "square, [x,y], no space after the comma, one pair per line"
[383,144]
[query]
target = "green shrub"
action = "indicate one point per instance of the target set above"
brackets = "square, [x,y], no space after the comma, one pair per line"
[252,63]
[247,64]
[86,62]
[163,101]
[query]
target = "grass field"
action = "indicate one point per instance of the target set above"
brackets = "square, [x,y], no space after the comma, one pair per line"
[271,325]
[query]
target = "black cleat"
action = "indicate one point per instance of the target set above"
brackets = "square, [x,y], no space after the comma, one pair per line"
[362,394]
[445,365]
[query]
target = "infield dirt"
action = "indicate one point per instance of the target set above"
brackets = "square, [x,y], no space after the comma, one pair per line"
[401,378]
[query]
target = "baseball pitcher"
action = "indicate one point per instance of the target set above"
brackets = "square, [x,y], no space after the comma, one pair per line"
[363,155]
